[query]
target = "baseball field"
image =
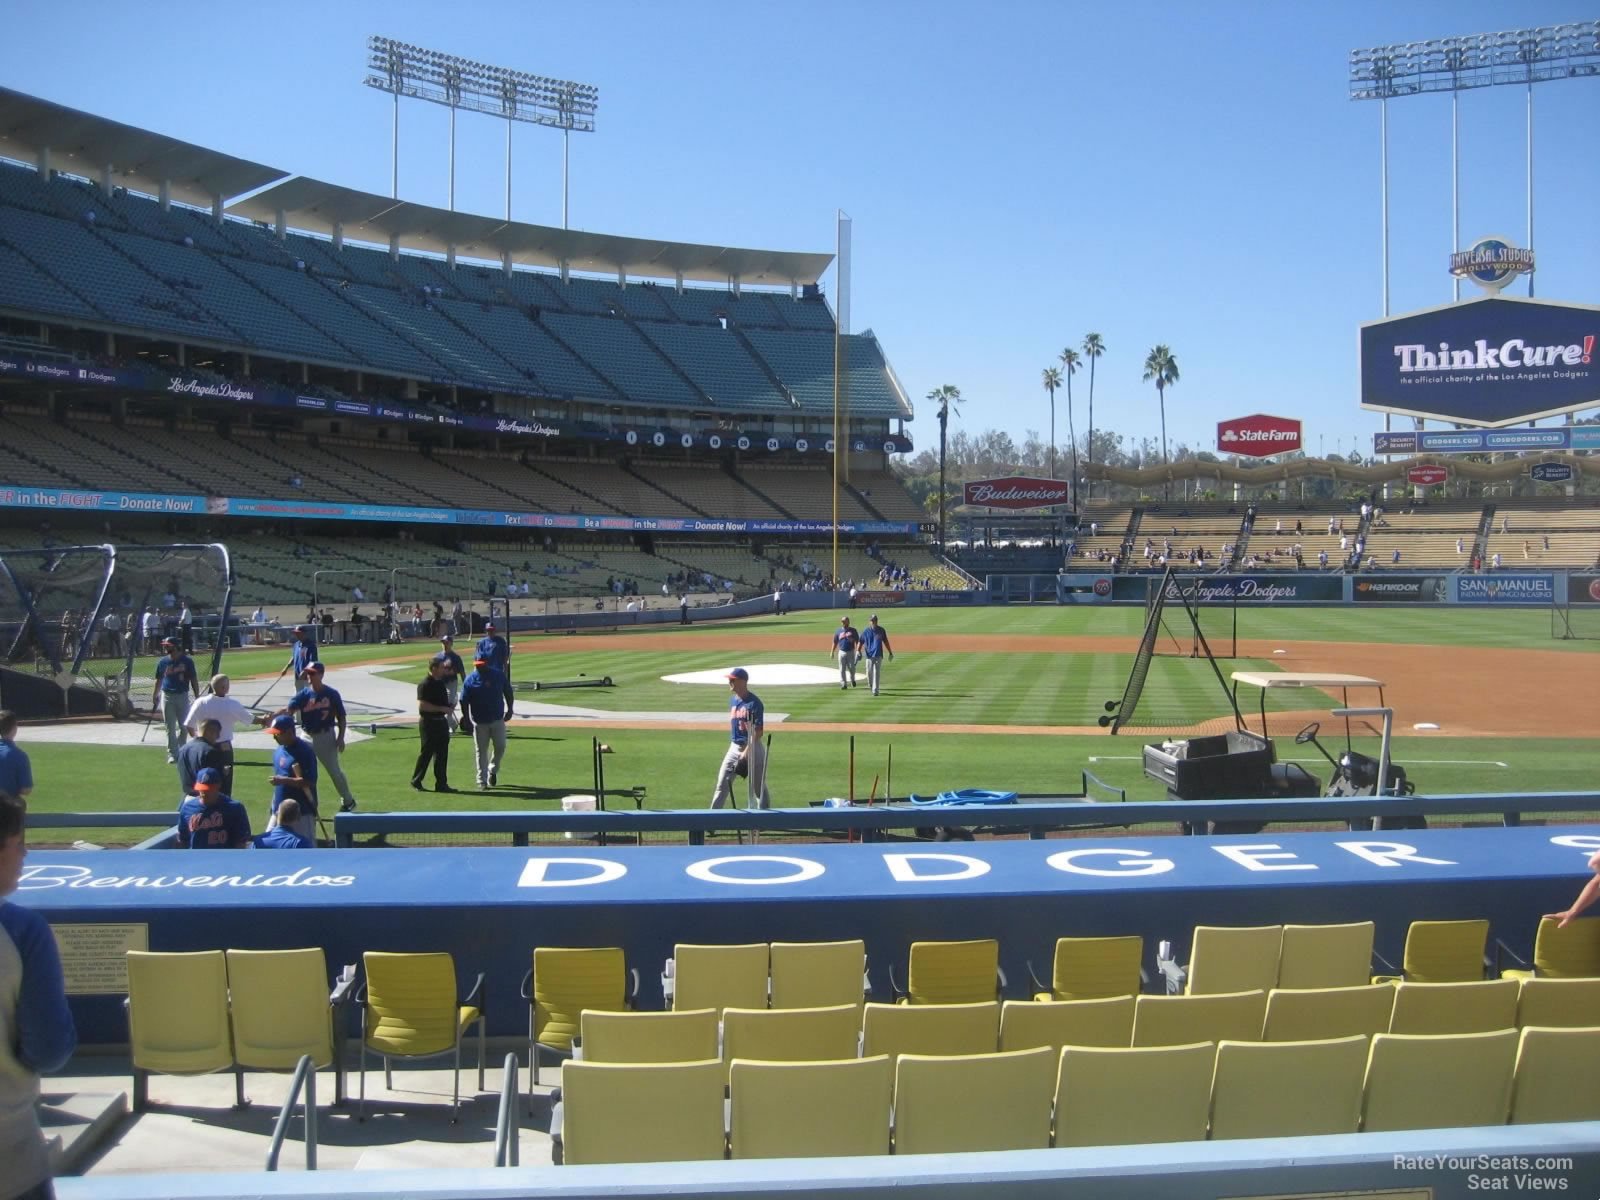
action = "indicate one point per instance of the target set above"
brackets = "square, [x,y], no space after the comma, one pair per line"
[986,698]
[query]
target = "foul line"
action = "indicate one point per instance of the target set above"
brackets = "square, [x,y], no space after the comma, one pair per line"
[1421,762]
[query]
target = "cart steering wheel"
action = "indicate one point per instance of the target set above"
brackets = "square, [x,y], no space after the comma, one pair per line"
[1308,734]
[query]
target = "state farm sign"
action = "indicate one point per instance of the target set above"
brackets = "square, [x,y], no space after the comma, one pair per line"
[1017,491]
[1426,476]
[1258,436]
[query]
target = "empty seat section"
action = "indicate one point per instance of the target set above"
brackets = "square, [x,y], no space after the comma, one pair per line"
[25,286]
[615,349]
[719,365]
[462,356]
[522,342]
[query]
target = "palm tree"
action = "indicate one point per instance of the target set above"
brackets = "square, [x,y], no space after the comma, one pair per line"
[1161,369]
[944,396]
[1052,380]
[1093,347]
[1069,364]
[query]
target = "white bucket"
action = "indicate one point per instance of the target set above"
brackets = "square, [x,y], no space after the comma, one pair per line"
[577,804]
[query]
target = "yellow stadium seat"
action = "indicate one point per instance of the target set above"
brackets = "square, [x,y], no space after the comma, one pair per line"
[719,977]
[1305,1014]
[649,1037]
[818,974]
[564,982]
[1326,956]
[1481,1006]
[1564,1003]
[1115,1097]
[1441,952]
[283,1009]
[177,1016]
[1233,959]
[1186,1020]
[952,972]
[1556,1076]
[947,1104]
[1427,1081]
[810,1110]
[409,1009]
[1570,953]
[1057,1023]
[1288,1089]
[641,1112]
[1092,968]
[896,1029]
[791,1034]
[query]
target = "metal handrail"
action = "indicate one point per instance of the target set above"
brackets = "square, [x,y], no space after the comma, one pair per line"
[506,1128]
[305,1076]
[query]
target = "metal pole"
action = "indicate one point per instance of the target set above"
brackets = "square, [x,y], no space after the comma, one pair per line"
[453,160]
[394,152]
[1530,176]
[1383,108]
[566,141]
[1455,184]
[508,169]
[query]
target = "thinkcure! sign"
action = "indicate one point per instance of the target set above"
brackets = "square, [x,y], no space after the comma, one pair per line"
[1258,435]
[1017,491]
[1426,476]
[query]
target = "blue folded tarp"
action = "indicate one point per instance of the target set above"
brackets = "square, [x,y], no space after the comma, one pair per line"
[967,796]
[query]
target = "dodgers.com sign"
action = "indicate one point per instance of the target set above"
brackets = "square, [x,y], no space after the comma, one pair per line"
[1016,491]
[1258,435]
[1489,362]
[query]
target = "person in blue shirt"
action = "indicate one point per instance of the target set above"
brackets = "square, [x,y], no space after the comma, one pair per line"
[874,644]
[209,819]
[303,653]
[844,644]
[294,776]
[176,684]
[16,773]
[199,753]
[483,714]
[453,677]
[322,717]
[282,836]
[747,754]
[39,1035]
[496,651]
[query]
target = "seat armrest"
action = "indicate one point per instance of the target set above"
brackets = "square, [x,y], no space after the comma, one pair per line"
[475,996]
[1144,979]
[895,990]
[343,986]
[633,976]
[527,985]
[1001,983]
[1167,966]
[1038,984]
[1384,966]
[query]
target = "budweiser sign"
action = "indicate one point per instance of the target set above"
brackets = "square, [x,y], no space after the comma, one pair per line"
[1258,436]
[1017,491]
[1426,476]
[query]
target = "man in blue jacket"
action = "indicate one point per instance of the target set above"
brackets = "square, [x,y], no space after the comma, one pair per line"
[496,651]
[483,714]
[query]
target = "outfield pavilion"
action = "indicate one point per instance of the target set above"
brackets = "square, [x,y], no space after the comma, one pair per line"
[125,270]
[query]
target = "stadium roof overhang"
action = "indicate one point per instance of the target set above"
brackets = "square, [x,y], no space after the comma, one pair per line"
[316,207]
[84,144]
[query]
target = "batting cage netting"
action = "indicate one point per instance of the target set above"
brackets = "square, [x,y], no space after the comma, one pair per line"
[83,626]
[1207,622]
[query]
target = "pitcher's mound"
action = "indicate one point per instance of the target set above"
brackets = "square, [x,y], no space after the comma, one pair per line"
[764,675]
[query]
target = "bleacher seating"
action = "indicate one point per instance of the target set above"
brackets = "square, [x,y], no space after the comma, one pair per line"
[1436,537]
[1539,537]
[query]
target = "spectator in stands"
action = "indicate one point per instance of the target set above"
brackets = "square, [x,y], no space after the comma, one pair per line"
[1526,549]
[209,818]
[1586,897]
[39,1034]
[322,716]
[683,609]
[1460,547]
[16,773]
[434,707]
[294,776]
[1497,560]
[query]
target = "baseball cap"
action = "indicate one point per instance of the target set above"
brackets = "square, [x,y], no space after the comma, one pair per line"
[169,642]
[488,624]
[873,617]
[208,780]
[299,629]
[447,637]
[283,721]
[314,666]
[480,662]
[739,673]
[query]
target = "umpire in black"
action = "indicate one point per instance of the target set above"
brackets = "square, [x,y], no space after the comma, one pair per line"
[433,707]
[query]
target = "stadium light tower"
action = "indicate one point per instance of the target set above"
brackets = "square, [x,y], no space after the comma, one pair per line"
[1516,56]
[405,70]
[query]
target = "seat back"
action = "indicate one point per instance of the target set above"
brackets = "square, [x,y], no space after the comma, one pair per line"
[1559,1002]
[178,1012]
[1570,953]
[1425,1081]
[817,974]
[411,1003]
[649,1037]
[1477,1007]
[568,980]
[280,1008]
[1306,1014]
[947,1104]
[1288,1089]
[1234,958]
[810,1110]
[1326,956]
[896,1029]
[953,972]
[1091,968]
[1114,1097]
[1445,951]
[641,1112]
[1057,1023]
[1186,1020]
[791,1034]
[720,977]
[1555,1076]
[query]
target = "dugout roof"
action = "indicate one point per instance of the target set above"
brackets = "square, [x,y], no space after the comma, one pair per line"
[316,207]
[84,144]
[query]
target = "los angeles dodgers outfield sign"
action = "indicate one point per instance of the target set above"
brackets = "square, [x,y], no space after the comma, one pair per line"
[1017,491]
[1258,435]
[1489,362]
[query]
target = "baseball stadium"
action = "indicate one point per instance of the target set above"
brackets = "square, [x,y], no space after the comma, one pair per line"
[1188,825]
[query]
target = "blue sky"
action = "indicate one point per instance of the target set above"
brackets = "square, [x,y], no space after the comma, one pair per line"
[1018,173]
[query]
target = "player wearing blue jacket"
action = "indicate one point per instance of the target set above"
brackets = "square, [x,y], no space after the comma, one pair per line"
[208,819]
[36,1031]
[483,714]
[176,682]
[875,644]
[845,643]
[303,653]
[322,716]
[496,651]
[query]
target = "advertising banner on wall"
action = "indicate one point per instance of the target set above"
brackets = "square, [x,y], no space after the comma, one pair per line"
[1551,472]
[1426,476]
[1016,492]
[1583,589]
[1401,589]
[1473,441]
[1258,435]
[1489,362]
[1242,589]
[1505,589]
